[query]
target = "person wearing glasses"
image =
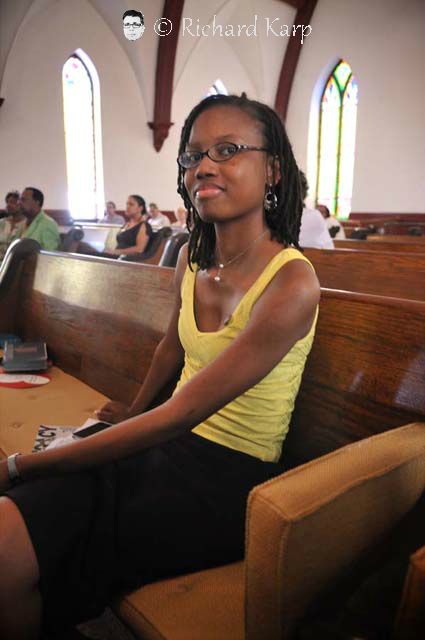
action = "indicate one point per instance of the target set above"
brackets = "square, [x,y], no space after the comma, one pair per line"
[13,225]
[164,490]
[133,24]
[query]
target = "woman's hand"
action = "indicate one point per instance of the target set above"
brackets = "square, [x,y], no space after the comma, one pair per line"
[4,477]
[113,412]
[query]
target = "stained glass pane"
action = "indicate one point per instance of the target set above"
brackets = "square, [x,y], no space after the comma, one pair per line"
[217,88]
[328,150]
[348,139]
[79,138]
[342,73]
[338,113]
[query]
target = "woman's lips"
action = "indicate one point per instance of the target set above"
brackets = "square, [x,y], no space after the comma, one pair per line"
[207,193]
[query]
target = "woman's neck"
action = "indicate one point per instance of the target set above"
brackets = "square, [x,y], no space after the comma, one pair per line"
[135,219]
[231,239]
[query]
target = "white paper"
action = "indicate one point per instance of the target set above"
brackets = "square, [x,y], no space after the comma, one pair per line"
[52,436]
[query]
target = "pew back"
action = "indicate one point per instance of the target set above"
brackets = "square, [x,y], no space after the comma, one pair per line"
[374,237]
[382,245]
[399,275]
[102,321]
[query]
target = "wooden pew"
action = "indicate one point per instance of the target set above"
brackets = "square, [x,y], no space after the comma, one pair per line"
[399,275]
[102,321]
[397,247]
[375,237]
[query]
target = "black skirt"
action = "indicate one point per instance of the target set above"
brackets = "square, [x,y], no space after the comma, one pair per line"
[171,509]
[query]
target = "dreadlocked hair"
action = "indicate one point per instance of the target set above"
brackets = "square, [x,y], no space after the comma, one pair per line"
[284,219]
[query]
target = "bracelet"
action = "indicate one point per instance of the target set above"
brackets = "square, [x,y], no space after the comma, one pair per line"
[14,475]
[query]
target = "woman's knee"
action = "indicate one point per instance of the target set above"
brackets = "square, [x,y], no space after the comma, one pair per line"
[18,561]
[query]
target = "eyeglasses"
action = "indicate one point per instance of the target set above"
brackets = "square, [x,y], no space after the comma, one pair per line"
[217,153]
[132,25]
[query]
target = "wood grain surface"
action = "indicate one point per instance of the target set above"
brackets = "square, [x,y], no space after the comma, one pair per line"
[383,245]
[102,320]
[401,275]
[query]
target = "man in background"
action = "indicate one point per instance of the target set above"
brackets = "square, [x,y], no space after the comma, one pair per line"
[111,216]
[40,226]
[157,220]
[13,224]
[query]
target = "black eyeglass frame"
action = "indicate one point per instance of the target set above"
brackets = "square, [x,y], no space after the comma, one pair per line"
[202,154]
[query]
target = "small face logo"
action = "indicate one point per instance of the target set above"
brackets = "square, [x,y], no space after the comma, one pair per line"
[133,24]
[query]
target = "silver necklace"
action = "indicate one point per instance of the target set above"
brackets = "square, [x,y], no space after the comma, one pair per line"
[223,265]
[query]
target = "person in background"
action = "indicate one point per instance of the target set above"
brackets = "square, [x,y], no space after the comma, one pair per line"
[335,227]
[180,224]
[157,220]
[40,226]
[13,225]
[134,236]
[111,216]
[314,231]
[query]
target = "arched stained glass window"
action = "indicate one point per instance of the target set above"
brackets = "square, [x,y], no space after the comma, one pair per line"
[81,102]
[337,135]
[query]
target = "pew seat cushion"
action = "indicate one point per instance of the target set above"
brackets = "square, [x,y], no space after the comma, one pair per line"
[207,605]
[305,528]
[65,401]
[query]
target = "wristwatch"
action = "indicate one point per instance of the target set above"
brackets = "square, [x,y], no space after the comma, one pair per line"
[14,475]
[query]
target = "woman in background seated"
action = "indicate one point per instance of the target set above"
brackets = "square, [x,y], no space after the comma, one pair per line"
[13,225]
[134,236]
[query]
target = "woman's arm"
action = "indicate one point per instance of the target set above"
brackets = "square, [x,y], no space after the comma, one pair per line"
[166,363]
[141,243]
[282,316]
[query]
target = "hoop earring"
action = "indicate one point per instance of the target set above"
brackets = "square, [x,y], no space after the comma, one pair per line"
[270,199]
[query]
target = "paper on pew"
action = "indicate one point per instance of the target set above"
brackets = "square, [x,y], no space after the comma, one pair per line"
[52,436]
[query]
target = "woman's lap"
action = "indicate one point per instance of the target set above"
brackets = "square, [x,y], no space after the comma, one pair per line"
[171,509]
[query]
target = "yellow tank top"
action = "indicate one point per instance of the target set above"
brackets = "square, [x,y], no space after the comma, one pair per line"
[257,421]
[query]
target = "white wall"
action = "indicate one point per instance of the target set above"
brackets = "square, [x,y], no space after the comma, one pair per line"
[382,40]
[384,43]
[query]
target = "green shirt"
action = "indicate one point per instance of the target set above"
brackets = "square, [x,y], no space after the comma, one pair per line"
[45,231]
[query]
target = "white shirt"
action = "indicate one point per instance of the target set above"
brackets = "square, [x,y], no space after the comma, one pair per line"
[314,231]
[159,222]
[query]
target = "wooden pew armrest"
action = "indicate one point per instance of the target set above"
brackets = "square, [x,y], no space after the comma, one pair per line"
[307,526]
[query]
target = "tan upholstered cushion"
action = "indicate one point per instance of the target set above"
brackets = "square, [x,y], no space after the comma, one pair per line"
[306,526]
[207,605]
[410,624]
[64,401]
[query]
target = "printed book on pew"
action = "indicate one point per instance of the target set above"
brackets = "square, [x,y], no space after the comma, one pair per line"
[25,356]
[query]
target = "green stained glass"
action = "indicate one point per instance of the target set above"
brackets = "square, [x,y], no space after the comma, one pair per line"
[337,133]
[342,73]
[348,140]
[328,149]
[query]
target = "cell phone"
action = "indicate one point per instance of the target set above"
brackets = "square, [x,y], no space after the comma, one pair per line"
[84,432]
